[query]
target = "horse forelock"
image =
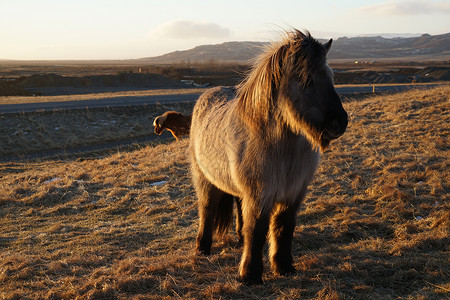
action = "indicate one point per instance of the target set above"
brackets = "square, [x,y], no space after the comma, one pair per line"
[296,55]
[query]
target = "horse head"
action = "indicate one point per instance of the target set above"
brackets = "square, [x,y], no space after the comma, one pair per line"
[292,85]
[309,91]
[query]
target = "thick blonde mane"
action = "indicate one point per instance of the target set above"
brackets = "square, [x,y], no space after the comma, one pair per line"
[293,57]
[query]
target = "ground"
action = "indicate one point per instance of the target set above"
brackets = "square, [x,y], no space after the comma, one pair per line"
[30,134]
[375,223]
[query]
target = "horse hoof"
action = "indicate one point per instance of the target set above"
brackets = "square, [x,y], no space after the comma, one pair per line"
[251,280]
[285,271]
[203,252]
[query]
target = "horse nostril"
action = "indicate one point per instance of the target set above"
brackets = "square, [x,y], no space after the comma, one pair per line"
[335,125]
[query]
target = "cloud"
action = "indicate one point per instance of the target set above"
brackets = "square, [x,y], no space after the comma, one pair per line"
[184,29]
[405,7]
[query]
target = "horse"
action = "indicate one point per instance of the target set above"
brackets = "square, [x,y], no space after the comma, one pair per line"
[175,122]
[260,143]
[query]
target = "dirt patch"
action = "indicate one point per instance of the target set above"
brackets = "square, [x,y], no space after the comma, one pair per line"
[124,79]
[392,75]
[437,73]
[53,84]
[10,89]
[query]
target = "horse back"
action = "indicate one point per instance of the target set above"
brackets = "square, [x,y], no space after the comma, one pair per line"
[211,99]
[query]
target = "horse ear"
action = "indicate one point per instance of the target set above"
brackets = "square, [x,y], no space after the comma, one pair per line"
[328,46]
[300,34]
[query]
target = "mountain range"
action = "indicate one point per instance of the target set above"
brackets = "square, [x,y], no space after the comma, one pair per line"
[424,47]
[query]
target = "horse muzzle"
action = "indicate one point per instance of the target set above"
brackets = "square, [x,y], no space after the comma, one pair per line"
[336,128]
[158,129]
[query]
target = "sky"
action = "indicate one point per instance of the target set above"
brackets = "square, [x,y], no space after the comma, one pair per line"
[110,29]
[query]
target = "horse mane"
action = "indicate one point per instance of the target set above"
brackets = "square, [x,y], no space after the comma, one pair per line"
[297,54]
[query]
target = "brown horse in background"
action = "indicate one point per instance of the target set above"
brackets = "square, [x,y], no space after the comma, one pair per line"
[175,122]
[261,143]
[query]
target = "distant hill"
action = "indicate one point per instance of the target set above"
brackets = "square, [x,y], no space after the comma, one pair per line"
[426,46]
[423,47]
[229,51]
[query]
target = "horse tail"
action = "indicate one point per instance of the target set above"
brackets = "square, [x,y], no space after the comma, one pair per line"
[224,215]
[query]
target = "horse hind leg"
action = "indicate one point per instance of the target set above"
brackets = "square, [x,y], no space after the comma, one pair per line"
[207,209]
[239,221]
[215,210]
[282,225]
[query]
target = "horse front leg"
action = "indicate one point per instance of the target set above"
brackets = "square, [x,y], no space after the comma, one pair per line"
[282,225]
[256,225]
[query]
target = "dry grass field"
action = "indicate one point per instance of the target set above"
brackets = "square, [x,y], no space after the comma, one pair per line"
[375,224]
